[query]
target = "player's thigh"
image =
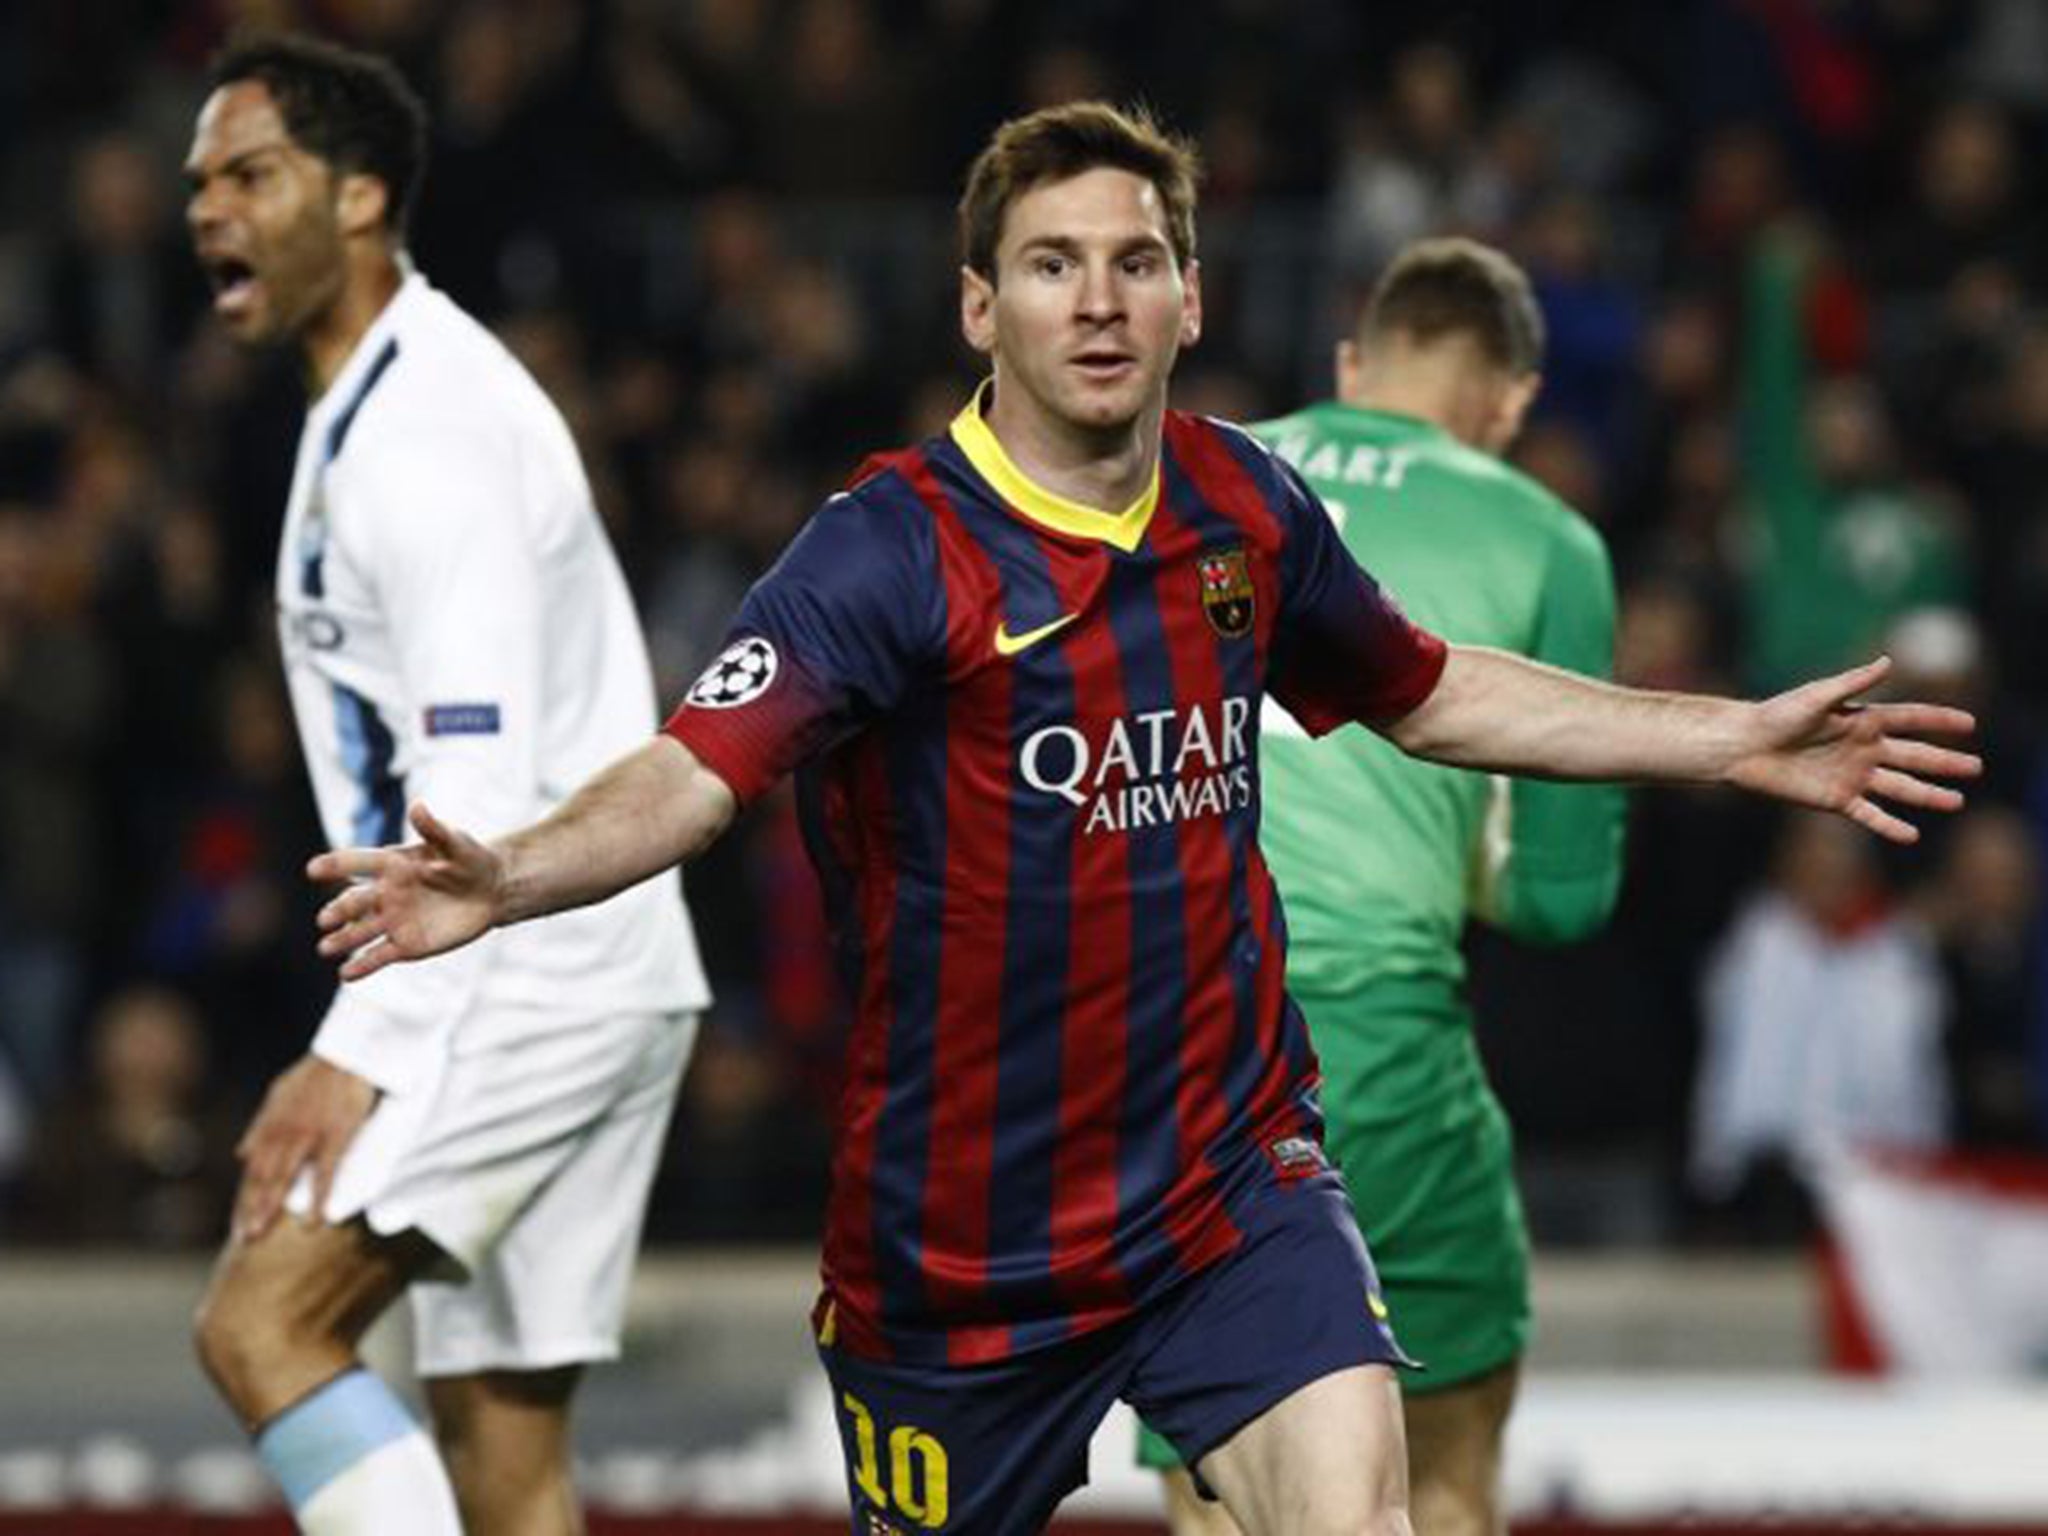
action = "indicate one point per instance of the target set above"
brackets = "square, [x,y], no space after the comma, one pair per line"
[1454,1453]
[1189,1512]
[1297,1301]
[985,1449]
[551,1208]
[1328,1459]
[308,1277]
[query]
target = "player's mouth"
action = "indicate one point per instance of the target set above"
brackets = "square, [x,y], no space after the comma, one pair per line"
[235,285]
[1104,365]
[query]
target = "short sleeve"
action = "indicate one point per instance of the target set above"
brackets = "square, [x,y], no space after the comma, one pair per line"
[847,623]
[1344,651]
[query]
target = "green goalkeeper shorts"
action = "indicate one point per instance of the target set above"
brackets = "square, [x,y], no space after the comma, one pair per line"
[1426,1152]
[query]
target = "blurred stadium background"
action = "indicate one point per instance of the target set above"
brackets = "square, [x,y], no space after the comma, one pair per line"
[1794,258]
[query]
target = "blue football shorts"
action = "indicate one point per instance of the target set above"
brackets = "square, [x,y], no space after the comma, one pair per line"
[992,1449]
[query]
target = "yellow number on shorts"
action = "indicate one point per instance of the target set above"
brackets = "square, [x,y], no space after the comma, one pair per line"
[930,1510]
[915,1458]
[866,1471]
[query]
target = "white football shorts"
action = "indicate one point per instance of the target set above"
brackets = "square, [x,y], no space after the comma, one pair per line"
[528,1164]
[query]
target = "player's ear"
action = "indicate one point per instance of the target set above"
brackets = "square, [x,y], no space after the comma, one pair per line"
[1521,394]
[1511,407]
[1191,303]
[1350,365]
[361,201]
[978,311]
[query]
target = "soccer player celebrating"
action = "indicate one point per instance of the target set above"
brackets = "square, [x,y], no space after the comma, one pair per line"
[1079,1155]
[484,1129]
[1379,856]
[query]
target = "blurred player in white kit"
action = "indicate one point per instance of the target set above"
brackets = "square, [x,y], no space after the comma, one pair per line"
[482,1130]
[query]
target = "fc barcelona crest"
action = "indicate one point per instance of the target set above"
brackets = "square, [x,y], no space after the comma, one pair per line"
[1226,579]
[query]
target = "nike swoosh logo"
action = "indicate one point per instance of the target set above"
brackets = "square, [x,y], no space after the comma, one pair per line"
[1008,644]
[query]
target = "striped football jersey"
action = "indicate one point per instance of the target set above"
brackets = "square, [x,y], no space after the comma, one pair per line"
[1028,735]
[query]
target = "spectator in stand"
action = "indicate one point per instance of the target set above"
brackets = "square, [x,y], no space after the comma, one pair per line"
[1824,1010]
[1841,542]
[119,298]
[2006,480]
[141,1152]
[841,112]
[229,901]
[1969,204]
[1738,187]
[1595,320]
[56,709]
[1417,169]
[1982,908]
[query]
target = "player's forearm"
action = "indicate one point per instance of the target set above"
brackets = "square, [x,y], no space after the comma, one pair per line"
[649,811]
[1500,712]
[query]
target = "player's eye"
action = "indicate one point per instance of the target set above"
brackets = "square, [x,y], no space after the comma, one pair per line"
[1050,265]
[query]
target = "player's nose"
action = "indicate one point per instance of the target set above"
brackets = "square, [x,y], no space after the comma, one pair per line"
[1099,296]
[203,211]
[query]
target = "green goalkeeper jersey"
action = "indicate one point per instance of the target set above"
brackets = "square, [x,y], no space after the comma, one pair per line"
[1380,857]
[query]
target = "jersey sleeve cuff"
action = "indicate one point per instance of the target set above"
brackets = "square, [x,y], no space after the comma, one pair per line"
[726,752]
[1416,684]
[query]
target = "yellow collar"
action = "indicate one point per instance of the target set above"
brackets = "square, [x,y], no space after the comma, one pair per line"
[970,430]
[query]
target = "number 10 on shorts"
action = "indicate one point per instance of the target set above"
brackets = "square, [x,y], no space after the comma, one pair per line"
[917,1467]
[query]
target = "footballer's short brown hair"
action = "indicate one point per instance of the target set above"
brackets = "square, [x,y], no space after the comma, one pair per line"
[1457,287]
[1055,143]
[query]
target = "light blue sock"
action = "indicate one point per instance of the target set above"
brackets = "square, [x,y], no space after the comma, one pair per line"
[351,1459]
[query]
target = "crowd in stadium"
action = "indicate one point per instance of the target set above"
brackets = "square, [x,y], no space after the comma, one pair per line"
[1792,258]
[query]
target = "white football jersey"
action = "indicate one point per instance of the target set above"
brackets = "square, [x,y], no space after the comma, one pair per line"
[456,630]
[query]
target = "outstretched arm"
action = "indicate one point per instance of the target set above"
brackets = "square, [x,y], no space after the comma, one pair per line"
[647,812]
[1817,745]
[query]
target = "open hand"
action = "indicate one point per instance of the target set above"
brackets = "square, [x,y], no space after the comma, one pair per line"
[405,903]
[1818,745]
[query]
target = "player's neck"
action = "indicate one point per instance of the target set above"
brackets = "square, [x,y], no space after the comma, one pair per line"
[1432,384]
[1429,400]
[1106,470]
[329,340]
